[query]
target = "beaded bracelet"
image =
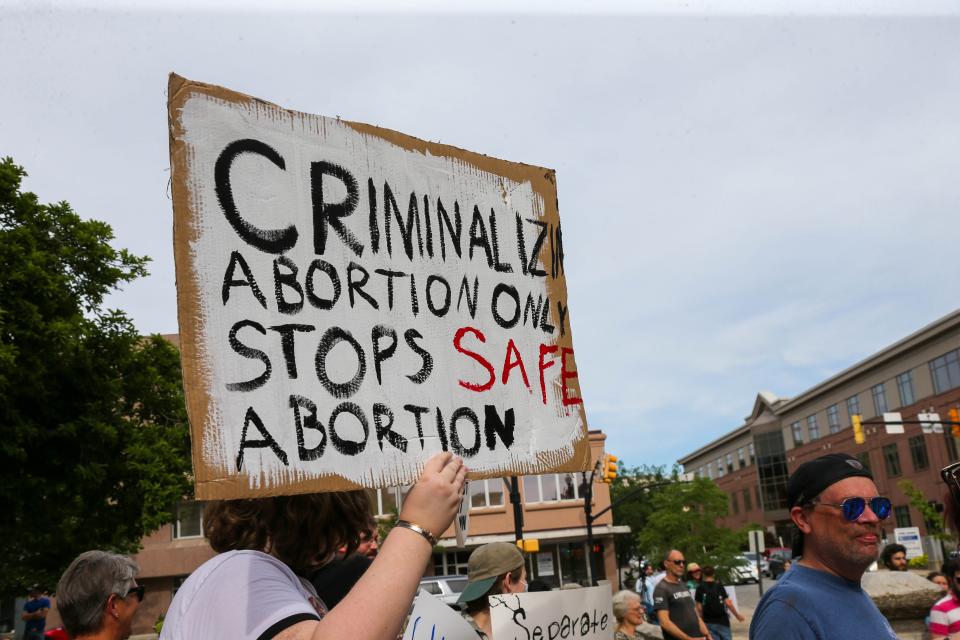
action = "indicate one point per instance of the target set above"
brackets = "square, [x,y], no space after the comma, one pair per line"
[429,537]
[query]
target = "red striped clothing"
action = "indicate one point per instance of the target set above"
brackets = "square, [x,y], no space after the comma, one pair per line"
[945,616]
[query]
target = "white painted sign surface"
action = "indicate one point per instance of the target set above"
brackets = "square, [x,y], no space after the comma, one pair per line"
[570,614]
[909,537]
[930,423]
[431,619]
[894,417]
[353,300]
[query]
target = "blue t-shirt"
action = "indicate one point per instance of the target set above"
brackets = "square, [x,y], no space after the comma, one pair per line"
[35,605]
[807,604]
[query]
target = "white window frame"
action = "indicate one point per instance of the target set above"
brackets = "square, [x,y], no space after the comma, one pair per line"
[193,504]
[556,480]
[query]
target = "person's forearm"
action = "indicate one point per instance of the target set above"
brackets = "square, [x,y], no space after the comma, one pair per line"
[376,606]
[667,625]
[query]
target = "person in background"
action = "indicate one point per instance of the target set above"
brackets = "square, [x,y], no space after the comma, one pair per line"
[945,613]
[370,539]
[894,557]
[628,611]
[255,587]
[492,569]
[939,579]
[35,611]
[836,508]
[694,575]
[98,596]
[645,586]
[674,604]
[713,603]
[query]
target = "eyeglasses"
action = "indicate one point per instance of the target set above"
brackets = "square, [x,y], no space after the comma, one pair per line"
[951,476]
[678,562]
[137,591]
[853,508]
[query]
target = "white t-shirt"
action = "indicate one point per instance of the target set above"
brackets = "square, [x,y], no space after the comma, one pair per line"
[240,595]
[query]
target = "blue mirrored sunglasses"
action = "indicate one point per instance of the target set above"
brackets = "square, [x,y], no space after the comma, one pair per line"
[853,508]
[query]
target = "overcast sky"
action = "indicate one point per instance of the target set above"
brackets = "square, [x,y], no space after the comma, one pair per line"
[750,202]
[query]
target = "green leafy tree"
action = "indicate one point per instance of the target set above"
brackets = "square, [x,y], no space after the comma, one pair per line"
[932,518]
[673,514]
[95,447]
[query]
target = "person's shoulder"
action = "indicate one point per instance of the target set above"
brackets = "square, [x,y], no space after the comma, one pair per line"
[778,617]
[946,603]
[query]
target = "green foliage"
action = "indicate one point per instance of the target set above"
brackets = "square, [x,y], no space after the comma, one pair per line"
[95,447]
[675,515]
[920,562]
[931,517]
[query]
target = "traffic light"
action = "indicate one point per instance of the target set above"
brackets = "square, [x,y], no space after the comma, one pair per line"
[858,436]
[954,416]
[608,471]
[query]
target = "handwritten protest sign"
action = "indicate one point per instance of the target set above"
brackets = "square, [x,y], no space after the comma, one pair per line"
[352,300]
[431,619]
[569,614]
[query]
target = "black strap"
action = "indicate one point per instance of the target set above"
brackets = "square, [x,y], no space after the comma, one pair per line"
[287,622]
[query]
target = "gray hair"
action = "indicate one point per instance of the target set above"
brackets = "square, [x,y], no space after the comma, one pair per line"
[86,586]
[621,601]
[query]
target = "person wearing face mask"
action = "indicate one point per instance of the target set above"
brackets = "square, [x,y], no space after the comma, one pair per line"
[493,569]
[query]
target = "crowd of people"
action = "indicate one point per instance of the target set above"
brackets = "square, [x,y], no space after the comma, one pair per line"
[307,566]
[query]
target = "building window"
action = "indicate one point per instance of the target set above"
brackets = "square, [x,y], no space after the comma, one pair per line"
[902,515]
[448,563]
[740,459]
[771,471]
[756,494]
[797,433]
[700,473]
[729,463]
[747,500]
[753,453]
[813,429]
[879,399]
[905,387]
[387,500]
[853,406]
[553,487]
[918,453]
[891,458]
[189,520]
[833,418]
[734,505]
[945,371]
[720,467]
[486,493]
[864,458]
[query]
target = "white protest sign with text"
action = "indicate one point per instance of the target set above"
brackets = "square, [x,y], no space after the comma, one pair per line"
[568,614]
[352,300]
[431,619]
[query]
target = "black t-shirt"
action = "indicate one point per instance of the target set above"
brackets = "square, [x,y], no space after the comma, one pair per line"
[676,599]
[712,597]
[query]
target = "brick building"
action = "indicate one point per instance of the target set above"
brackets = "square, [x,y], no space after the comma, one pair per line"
[920,373]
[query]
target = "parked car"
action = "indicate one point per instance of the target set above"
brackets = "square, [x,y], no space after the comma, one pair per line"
[764,564]
[744,572]
[447,588]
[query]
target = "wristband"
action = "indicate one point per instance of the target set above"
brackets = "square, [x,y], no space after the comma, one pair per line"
[429,537]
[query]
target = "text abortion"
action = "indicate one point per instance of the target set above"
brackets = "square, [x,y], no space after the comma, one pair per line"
[430,232]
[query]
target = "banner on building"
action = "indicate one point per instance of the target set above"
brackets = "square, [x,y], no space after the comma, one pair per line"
[352,300]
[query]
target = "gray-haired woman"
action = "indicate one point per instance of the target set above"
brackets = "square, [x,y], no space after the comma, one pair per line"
[628,610]
[98,596]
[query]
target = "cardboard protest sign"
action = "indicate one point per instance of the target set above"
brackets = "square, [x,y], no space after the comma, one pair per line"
[569,614]
[352,300]
[431,619]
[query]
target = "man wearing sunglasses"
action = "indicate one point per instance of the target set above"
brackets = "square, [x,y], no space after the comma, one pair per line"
[834,504]
[674,603]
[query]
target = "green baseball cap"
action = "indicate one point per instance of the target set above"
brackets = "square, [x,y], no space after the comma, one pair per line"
[486,564]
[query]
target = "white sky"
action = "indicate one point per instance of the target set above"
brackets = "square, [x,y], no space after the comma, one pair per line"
[749,201]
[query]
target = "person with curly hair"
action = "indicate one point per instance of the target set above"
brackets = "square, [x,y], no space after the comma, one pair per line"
[256,587]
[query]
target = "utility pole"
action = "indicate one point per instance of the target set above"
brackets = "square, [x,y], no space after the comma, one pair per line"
[514,489]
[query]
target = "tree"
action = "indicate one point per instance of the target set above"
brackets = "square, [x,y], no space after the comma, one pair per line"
[931,517]
[95,446]
[677,515]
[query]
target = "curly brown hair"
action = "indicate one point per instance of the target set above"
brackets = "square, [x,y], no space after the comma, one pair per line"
[302,531]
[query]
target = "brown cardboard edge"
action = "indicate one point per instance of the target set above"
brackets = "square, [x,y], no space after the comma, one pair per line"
[212,483]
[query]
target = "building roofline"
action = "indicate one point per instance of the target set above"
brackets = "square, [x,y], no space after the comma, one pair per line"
[727,437]
[915,339]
